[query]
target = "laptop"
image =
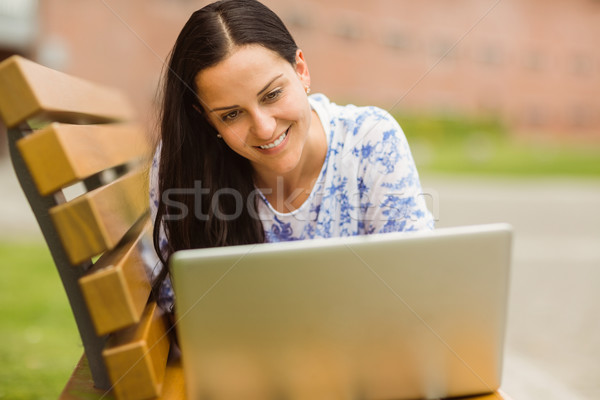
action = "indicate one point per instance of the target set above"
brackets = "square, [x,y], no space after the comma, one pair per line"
[384,316]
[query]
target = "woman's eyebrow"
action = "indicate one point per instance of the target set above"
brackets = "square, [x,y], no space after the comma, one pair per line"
[258,94]
[269,84]
[223,108]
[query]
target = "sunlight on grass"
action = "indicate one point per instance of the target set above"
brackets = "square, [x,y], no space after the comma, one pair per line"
[40,344]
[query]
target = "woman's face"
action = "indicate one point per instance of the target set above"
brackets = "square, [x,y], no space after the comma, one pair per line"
[257,102]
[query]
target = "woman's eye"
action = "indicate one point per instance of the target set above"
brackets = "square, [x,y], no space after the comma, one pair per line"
[273,95]
[230,116]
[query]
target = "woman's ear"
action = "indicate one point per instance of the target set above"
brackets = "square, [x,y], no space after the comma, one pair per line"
[302,68]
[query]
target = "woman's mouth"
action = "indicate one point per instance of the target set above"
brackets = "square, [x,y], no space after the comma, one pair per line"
[276,142]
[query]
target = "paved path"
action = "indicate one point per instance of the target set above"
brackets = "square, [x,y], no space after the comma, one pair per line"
[553,336]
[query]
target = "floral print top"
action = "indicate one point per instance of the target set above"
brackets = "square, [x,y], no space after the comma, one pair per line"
[368,182]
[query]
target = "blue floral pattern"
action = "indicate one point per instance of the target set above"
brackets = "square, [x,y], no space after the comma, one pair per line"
[368,183]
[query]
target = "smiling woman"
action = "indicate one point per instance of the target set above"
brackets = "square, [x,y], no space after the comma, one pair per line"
[247,156]
[268,124]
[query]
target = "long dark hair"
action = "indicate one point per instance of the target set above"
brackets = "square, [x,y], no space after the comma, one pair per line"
[190,152]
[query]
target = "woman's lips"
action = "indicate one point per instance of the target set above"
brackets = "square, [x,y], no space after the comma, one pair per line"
[276,143]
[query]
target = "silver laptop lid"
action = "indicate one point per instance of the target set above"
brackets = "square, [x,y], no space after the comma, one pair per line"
[398,315]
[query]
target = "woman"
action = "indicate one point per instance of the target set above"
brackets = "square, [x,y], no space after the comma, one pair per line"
[246,156]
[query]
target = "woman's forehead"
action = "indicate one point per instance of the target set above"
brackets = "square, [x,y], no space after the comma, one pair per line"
[246,69]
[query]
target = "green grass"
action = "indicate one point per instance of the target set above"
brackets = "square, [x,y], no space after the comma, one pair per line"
[477,146]
[39,343]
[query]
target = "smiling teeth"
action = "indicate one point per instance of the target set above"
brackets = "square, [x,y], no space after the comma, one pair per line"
[275,143]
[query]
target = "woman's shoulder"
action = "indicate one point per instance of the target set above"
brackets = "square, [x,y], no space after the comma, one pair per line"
[363,137]
[352,118]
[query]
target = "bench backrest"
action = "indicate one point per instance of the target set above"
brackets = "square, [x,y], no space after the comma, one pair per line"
[67,133]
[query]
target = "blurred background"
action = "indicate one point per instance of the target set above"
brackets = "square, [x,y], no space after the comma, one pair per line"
[500,101]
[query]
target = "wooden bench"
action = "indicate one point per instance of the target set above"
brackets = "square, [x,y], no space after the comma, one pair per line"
[68,135]
[64,131]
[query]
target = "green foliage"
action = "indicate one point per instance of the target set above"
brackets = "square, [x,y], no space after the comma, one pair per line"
[452,144]
[39,343]
[450,129]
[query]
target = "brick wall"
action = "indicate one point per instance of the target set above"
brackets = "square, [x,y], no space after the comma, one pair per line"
[533,63]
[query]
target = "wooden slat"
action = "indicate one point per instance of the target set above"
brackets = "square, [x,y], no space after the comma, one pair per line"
[174,383]
[497,395]
[116,289]
[60,155]
[136,358]
[29,90]
[97,220]
[81,386]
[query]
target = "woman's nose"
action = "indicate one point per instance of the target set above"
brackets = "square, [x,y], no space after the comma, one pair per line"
[263,125]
